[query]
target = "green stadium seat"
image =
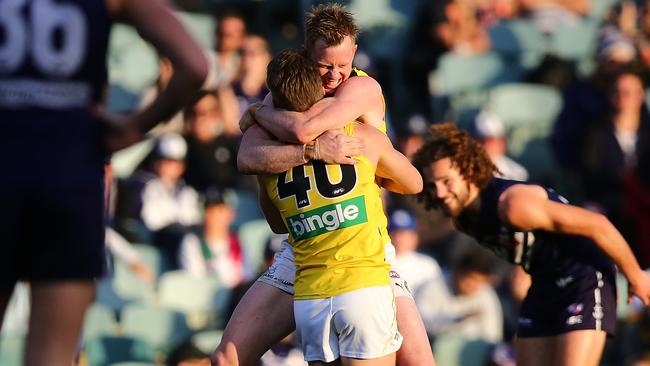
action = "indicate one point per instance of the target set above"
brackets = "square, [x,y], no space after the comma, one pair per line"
[99,321]
[575,42]
[521,40]
[203,300]
[207,340]
[125,161]
[455,351]
[528,112]
[246,206]
[201,26]
[129,287]
[12,350]
[160,327]
[457,74]
[253,236]
[105,351]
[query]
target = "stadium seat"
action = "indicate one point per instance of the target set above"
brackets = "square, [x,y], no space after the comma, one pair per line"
[201,26]
[519,40]
[125,161]
[202,299]
[128,286]
[575,42]
[99,321]
[207,340]
[246,206]
[129,363]
[454,351]
[457,74]
[152,257]
[528,111]
[162,328]
[11,350]
[461,82]
[253,236]
[105,351]
[599,9]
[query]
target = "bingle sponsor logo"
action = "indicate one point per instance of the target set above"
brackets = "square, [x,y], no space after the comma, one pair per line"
[328,218]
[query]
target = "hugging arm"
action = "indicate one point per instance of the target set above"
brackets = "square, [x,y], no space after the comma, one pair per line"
[355,98]
[397,173]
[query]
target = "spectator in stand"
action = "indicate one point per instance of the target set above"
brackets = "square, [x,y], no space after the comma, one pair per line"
[170,208]
[468,306]
[611,149]
[211,153]
[231,31]
[417,268]
[250,87]
[489,130]
[586,102]
[462,32]
[215,250]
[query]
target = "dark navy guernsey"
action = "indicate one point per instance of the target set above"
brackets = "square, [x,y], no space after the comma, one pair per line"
[573,281]
[537,250]
[52,69]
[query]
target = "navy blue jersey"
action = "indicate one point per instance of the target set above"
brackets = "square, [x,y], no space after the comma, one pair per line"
[52,69]
[539,252]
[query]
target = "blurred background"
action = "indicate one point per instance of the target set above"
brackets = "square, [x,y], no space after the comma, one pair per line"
[555,89]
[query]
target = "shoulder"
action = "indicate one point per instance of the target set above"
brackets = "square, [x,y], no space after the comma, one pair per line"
[364,84]
[520,196]
[370,134]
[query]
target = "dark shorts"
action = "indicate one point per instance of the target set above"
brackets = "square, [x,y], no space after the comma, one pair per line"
[585,299]
[51,233]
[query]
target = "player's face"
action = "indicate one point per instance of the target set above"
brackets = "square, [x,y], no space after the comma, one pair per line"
[335,62]
[451,190]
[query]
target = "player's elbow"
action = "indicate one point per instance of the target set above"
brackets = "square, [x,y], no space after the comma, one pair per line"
[302,134]
[244,162]
[415,185]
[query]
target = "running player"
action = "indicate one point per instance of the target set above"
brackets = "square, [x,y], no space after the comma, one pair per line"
[343,303]
[52,76]
[330,41]
[571,305]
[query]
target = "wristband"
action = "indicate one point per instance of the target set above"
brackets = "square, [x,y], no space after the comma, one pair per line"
[308,152]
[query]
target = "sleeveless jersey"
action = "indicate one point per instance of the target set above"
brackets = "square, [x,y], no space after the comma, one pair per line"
[331,214]
[381,216]
[536,251]
[52,68]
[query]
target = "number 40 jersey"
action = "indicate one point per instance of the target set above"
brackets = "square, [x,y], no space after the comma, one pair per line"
[331,214]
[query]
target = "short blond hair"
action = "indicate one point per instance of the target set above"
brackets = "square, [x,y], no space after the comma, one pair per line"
[331,23]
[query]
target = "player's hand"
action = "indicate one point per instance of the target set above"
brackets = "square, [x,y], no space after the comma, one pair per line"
[227,357]
[335,147]
[248,118]
[640,287]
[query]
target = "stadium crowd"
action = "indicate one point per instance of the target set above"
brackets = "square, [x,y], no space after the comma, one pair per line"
[554,89]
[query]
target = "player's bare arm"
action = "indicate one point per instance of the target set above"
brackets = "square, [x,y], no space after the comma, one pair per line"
[527,207]
[396,171]
[271,213]
[358,98]
[156,24]
[261,153]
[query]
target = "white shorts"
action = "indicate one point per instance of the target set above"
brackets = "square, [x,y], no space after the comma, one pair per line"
[357,324]
[282,272]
